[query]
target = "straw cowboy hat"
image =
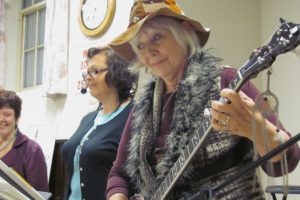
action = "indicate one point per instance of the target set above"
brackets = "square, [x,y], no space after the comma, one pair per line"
[144,10]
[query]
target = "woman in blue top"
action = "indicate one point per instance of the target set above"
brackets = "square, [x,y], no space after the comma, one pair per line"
[90,152]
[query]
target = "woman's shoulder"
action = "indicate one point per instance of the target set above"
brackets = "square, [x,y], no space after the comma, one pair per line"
[91,113]
[123,113]
[227,75]
[24,141]
[228,71]
[28,147]
[87,118]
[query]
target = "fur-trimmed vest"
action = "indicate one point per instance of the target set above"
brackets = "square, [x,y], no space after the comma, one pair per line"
[199,86]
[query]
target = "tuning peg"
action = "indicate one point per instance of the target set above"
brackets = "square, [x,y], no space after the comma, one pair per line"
[282,20]
[294,30]
[279,31]
[260,59]
[284,41]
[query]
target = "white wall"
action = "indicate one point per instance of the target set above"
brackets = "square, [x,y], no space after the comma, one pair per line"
[235,26]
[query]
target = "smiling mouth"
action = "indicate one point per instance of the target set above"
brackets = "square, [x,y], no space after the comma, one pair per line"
[156,64]
[3,125]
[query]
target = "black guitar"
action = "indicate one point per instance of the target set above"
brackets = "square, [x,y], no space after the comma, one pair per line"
[286,38]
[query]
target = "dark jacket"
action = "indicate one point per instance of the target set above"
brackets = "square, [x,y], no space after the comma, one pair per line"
[98,153]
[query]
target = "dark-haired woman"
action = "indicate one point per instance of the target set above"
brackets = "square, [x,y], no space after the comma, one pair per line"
[17,151]
[90,152]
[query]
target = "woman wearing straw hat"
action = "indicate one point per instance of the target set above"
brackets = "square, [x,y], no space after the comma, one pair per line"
[169,111]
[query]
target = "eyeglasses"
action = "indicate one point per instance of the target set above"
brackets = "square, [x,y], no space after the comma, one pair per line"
[93,73]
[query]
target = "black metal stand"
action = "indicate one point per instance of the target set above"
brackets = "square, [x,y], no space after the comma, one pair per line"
[284,190]
[208,193]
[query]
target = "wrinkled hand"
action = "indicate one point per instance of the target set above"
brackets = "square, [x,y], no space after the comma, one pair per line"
[238,116]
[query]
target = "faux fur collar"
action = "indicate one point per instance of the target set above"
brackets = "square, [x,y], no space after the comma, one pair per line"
[200,85]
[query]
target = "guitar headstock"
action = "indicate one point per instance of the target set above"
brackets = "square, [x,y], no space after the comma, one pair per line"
[285,38]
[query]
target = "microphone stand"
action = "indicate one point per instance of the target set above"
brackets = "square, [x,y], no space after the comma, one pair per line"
[208,192]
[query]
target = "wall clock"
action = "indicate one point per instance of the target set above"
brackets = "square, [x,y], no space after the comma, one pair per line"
[95,16]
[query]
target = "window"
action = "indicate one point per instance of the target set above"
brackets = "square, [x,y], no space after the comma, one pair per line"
[33,14]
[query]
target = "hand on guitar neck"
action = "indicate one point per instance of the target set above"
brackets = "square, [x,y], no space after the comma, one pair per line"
[241,117]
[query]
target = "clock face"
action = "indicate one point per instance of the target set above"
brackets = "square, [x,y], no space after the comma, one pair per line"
[93,13]
[95,16]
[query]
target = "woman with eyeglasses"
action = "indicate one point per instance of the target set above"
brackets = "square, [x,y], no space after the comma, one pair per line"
[91,150]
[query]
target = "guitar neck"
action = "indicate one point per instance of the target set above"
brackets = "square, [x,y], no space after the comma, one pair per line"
[186,156]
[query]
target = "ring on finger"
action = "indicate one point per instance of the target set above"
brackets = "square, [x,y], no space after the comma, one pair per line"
[227,120]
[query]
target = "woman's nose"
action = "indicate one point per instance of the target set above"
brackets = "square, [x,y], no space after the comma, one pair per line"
[152,50]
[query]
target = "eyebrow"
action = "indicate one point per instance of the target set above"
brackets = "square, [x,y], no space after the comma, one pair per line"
[94,66]
[7,112]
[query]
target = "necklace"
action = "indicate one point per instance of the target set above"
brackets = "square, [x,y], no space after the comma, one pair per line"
[11,140]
